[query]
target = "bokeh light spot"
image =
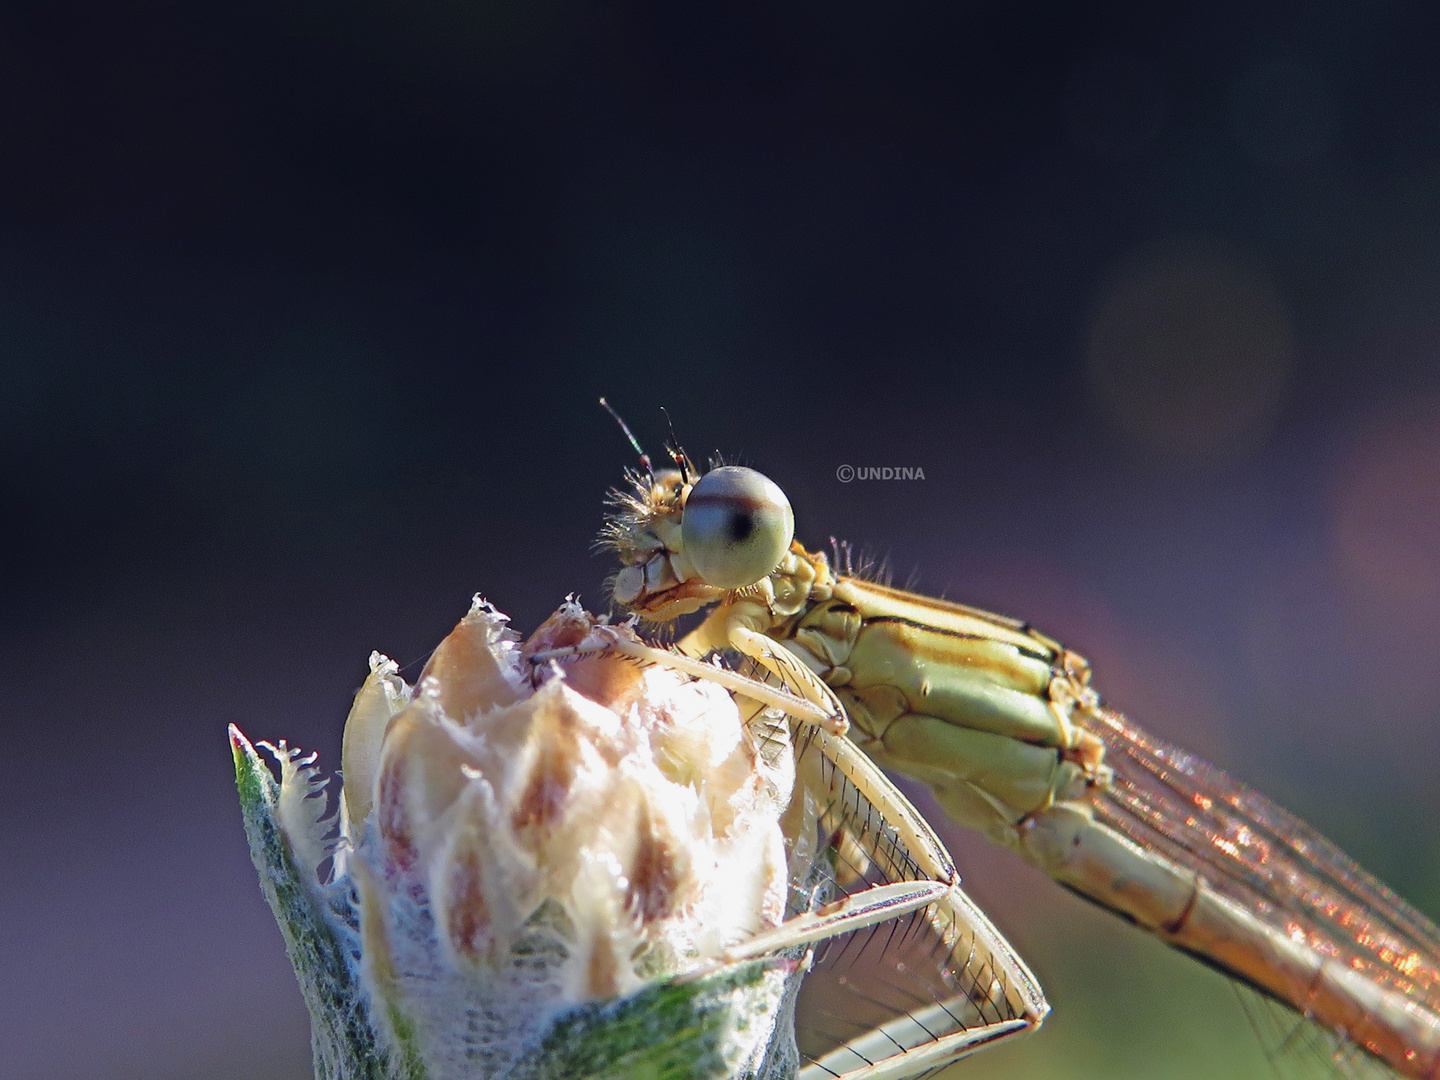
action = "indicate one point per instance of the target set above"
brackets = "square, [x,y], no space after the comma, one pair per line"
[1343,639]
[1191,354]
[1386,519]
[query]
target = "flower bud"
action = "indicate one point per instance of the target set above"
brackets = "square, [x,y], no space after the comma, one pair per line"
[527,847]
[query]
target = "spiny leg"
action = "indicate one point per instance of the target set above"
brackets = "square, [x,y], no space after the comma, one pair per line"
[740,626]
[792,705]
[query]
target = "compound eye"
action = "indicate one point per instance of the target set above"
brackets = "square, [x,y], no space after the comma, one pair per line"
[737,526]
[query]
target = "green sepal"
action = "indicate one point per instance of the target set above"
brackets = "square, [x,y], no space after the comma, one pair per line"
[703,1028]
[341,1036]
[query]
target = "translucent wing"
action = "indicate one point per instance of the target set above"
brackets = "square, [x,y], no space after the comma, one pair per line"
[1301,1050]
[900,998]
[1265,859]
[910,995]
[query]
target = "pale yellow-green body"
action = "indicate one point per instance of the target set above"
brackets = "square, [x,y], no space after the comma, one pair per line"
[1000,722]
[979,708]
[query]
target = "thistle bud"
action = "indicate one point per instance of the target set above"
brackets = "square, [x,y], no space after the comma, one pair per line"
[535,867]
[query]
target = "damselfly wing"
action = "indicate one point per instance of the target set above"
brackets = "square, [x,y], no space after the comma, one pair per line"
[910,994]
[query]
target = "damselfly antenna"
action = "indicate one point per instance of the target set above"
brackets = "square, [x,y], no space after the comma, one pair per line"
[644,457]
[677,453]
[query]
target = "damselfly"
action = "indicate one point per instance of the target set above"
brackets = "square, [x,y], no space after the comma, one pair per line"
[1003,725]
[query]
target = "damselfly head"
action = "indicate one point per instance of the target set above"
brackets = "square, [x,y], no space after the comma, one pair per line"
[684,543]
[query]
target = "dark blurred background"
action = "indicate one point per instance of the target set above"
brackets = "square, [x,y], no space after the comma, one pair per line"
[305,306]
